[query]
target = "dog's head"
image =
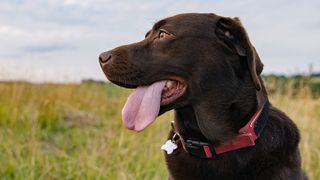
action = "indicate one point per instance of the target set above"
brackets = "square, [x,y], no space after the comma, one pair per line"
[196,57]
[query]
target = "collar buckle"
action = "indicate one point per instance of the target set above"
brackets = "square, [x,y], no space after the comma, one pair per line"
[199,148]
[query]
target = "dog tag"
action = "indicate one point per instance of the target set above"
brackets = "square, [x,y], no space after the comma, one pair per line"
[169,146]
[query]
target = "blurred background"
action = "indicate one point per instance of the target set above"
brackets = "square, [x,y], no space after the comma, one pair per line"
[60,40]
[59,119]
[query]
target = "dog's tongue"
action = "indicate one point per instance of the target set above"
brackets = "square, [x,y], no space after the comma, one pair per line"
[142,106]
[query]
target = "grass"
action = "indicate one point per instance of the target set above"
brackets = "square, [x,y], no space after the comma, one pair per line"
[74,131]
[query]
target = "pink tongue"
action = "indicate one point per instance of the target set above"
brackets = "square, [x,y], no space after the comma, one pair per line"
[142,106]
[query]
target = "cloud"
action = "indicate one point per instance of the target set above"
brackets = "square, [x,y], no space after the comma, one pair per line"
[47,48]
[55,33]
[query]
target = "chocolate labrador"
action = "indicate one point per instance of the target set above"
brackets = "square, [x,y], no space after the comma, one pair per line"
[205,68]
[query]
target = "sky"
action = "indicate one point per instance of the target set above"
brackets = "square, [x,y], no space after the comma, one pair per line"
[60,40]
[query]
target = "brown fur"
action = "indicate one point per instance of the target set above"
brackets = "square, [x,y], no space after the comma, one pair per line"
[221,67]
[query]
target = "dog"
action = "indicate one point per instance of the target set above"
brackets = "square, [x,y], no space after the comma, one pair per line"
[204,67]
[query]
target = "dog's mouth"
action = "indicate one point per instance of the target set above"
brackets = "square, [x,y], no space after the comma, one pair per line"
[143,105]
[172,90]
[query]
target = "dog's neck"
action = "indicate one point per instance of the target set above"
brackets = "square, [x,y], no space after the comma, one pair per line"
[187,119]
[187,122]
[196,142]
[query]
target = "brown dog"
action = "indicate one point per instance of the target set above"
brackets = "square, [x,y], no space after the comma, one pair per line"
[205,68]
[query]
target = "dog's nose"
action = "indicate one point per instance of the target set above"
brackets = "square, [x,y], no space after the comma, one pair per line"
[105,57]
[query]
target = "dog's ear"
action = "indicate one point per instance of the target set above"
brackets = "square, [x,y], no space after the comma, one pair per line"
[233,34]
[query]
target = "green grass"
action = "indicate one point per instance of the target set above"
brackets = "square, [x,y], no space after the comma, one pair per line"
[50,131]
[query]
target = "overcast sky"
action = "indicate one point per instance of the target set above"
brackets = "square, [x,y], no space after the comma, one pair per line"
[60,40]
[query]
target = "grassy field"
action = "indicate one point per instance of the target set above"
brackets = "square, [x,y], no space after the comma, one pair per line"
[74,131]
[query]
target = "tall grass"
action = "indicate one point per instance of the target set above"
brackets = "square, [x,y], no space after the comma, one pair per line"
[74,131]
[302,103]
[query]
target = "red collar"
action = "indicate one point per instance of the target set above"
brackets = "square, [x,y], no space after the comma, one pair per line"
[246,137]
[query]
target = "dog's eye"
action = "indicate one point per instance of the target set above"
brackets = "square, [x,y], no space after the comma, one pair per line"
[163,34]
